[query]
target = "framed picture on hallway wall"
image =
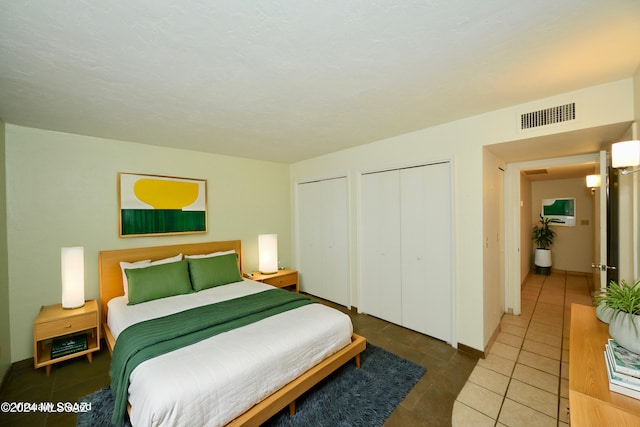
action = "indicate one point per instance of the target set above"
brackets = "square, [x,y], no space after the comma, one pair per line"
[154,205]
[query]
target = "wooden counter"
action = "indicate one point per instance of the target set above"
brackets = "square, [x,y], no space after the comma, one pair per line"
[591,403]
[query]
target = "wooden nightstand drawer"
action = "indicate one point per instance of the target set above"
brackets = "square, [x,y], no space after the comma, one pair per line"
[69,325]
[281,281]
[282,278]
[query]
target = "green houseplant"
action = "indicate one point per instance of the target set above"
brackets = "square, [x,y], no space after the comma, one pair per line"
[543,236]
[619,305]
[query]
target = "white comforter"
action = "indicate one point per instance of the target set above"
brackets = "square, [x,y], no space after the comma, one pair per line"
[212,382]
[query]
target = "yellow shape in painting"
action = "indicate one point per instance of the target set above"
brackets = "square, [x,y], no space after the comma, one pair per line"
[162,194]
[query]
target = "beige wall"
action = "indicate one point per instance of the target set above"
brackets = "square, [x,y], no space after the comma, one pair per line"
[635,236]
[627,221]
[493,245]
[61,191]
[462,142]
[526,221]
[572,247]
[5,332]
[629,204]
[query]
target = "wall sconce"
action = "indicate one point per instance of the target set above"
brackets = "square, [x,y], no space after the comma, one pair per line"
[625,154]
[72,277]
[593,182]
[268,253]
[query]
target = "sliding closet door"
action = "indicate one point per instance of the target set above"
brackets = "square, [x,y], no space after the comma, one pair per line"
[380,245]
[323,239]
[426,218]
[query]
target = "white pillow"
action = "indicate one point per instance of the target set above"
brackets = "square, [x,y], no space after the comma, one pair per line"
[131,265]
[232,251]
[167,260]
[142,264]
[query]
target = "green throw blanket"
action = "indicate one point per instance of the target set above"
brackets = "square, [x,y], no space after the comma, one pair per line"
[145,340]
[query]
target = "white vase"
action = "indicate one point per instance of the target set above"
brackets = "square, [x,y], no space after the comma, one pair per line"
[604,312]
[542,257]
[625,329]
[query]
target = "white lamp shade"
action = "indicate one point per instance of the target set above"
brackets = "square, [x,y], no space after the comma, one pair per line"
[268,253]
[593,181]
[625,154]
[72,277]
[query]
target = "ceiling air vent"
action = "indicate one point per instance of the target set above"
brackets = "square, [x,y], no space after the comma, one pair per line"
[548,116]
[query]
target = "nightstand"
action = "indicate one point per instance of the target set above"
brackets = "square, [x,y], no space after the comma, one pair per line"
[282,278]
[55,322]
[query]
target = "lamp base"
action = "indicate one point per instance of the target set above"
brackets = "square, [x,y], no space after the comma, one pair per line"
[74,307]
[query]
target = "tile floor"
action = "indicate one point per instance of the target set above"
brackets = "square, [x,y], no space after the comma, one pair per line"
[69,380]
[524,379]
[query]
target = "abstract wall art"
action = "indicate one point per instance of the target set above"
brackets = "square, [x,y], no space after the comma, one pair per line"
[161,205]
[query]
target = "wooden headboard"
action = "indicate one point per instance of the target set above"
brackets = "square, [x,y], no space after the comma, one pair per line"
[111,274]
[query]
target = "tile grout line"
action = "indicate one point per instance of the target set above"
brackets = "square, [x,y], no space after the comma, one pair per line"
[564,306]
[564,321]
[539,287]
[515,363]
[559,375]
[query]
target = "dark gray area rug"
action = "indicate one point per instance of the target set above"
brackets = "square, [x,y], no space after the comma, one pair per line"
[349,397]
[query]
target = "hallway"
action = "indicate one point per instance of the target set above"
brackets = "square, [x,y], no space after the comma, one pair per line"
[524,379]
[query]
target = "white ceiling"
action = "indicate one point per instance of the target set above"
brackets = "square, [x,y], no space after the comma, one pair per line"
[286,80]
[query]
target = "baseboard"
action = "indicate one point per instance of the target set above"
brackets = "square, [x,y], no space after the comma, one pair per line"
[487,348]
[471,351]
[477,353]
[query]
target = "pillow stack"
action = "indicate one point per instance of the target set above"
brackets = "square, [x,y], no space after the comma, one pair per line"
[149,280]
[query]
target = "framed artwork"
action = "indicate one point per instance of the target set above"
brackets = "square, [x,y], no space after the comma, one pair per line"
[152,205]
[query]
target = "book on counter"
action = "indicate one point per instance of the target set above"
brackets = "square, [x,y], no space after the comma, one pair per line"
[624,377]
[68,345]
[624,361]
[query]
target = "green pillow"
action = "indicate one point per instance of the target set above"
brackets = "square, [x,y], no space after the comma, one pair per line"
[214,271]
[158,281]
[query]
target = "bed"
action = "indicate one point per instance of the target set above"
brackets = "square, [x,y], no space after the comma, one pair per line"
[240,377]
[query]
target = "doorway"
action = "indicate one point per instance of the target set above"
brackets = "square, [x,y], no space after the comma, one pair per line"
[518,245]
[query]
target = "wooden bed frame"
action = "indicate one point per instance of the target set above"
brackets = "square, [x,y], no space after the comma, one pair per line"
[111,287]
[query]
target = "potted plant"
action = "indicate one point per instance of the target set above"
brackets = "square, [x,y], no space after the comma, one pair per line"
[543,236]
[619,305]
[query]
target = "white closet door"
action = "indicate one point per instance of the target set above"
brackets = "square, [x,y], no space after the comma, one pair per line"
[323,242]
[380,245]
[426,224]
